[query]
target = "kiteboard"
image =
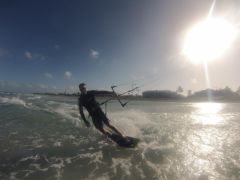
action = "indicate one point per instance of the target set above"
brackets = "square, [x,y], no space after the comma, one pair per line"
[127,141]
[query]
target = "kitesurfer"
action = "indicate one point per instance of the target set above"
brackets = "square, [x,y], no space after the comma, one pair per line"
[87,100]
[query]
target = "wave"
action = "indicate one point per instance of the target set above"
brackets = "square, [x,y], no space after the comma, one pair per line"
[131,121]
[65,110]
[13,100]
[34,97]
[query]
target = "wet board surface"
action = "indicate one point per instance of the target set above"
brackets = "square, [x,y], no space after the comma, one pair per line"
[128,142]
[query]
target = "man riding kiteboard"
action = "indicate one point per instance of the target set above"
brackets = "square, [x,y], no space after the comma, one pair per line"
[99,119]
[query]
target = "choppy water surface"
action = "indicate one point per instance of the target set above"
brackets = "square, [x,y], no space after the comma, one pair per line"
[41,137]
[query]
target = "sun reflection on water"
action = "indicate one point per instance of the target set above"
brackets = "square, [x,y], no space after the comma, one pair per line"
[208,113]
[205,140]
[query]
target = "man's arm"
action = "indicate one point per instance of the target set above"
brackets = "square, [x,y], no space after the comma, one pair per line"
[82,114]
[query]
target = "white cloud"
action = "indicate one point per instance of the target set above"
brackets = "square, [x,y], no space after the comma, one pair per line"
[68,74]
[34,56]
[28,55]
[94,54]
[48,75]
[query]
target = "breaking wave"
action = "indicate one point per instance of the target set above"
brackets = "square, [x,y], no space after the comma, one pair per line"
[12,100]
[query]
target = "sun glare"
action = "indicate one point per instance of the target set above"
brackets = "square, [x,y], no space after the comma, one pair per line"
[208,113]
[208,40]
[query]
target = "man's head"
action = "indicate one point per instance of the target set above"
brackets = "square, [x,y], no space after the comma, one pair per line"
[82,88]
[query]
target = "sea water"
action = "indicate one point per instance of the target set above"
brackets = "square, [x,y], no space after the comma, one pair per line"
[42,137]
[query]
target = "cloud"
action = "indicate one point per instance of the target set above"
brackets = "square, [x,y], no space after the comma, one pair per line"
[34,56]
[94,54]
[28,55]
[68,74]
[48,75]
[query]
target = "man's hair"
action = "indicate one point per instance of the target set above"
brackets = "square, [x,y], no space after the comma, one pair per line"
[81,85]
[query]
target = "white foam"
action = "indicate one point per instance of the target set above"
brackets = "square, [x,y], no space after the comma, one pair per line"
[57,144]
[34,97]
[52,102]
[140,170]
[103,177]
[67,111]
[69,137]
[124,164]
[13,176]
[131,121]
[96,159]
[68,160]
[38,167]
[37,143]
[13,100]
[59,167]
[36,157]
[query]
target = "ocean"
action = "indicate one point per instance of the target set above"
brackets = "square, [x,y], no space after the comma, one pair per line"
[42,137]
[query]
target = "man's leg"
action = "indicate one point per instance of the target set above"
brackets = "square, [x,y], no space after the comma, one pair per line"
[112,127]
[99,126]
[103,131]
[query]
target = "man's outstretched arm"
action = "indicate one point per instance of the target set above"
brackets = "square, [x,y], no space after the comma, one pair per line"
[83,116]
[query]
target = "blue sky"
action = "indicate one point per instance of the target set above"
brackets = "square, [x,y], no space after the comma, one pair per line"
[56,44]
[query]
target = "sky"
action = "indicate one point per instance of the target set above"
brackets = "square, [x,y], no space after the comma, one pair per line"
[53,45]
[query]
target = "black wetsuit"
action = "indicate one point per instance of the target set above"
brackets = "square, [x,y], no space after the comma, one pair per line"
[89,102]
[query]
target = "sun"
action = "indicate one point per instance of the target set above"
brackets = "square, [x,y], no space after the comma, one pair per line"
[208,40]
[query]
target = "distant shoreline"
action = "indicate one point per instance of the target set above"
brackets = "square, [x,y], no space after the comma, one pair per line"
[201,96]
[141,98]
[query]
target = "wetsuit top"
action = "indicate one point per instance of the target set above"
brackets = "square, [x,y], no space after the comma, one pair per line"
[89,102]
